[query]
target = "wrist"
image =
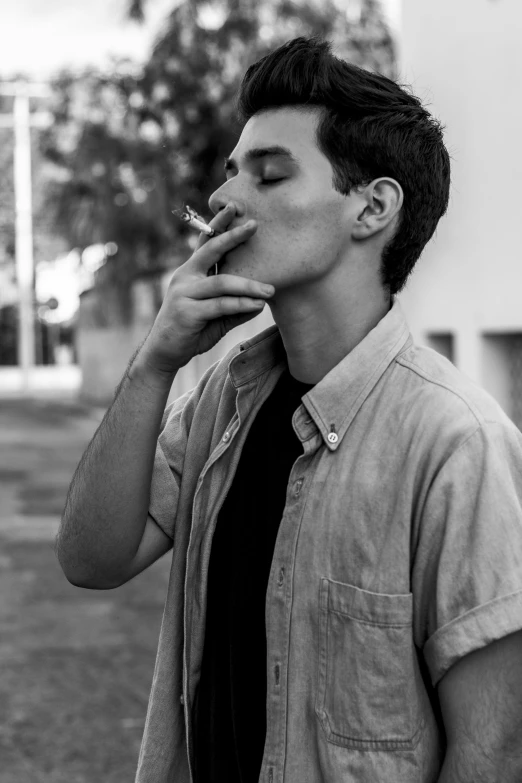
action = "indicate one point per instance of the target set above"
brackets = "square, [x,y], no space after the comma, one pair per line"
[144,370]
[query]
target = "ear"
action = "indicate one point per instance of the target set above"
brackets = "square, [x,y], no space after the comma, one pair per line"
[381,202]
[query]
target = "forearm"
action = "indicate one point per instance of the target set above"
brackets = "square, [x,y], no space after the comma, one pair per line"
[454,771]
[108,499]
[474,765]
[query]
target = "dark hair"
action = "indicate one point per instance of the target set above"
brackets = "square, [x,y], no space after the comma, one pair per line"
[370,127]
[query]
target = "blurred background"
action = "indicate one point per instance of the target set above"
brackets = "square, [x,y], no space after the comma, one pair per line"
[113,113]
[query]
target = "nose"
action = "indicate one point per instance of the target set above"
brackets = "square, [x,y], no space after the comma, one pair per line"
[223,196]
[218,200]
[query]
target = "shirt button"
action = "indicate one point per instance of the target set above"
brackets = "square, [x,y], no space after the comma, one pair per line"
[297,487]
[226,437]
[333,437]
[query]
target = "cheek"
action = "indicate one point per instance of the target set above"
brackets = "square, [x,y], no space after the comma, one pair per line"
[298,212]
[306,225]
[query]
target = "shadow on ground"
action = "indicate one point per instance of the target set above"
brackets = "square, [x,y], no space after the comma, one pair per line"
[75,665]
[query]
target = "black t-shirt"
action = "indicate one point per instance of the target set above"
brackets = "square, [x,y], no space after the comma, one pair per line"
[229,716]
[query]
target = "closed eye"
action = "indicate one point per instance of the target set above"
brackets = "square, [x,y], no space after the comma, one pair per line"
[271,181]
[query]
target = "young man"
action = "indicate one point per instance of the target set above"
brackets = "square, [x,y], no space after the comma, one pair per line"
[344,507]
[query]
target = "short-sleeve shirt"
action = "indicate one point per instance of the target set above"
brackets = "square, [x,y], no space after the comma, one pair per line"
[399,552]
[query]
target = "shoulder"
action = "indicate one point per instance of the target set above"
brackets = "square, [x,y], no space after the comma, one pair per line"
[443,399]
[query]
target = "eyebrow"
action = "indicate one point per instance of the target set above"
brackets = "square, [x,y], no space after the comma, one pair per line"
[257,153]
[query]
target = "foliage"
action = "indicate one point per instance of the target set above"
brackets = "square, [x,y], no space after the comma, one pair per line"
[46,243]
[130,146]
[109,183]
[7,206]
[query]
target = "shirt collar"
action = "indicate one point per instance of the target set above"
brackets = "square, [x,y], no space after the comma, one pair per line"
[335,400]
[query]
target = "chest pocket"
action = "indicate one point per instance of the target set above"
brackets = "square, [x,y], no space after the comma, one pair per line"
[367,694]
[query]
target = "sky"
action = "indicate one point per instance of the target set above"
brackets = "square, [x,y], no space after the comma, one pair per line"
[39,37]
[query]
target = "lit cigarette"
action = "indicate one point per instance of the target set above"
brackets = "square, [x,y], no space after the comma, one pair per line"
[194,220]
[190,216]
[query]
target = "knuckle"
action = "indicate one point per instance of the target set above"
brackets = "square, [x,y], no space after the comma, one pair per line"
[224,303]
[173,282]
[224,240]
[233,234]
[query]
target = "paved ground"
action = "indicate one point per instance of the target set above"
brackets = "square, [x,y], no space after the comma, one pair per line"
[75,665]
[41,442]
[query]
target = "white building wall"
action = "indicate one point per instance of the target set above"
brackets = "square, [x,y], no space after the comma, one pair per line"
[463,58]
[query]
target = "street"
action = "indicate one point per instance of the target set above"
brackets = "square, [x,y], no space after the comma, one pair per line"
[75,665]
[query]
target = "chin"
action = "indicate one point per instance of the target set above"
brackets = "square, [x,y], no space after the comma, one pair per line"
[238,263]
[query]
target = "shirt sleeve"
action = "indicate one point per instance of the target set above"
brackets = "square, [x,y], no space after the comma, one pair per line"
[168,465]
[467,570]
[170,453]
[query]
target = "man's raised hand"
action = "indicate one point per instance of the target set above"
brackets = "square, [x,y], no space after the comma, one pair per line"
[199,310]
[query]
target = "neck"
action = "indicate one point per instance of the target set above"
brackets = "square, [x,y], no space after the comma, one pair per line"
[320,325]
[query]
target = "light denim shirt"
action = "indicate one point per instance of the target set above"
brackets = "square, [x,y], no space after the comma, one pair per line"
[399,551]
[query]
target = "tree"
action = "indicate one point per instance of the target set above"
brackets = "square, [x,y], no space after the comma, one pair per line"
[110,177]
[45,241]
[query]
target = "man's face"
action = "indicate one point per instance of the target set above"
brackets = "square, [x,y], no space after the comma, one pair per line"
[303,222]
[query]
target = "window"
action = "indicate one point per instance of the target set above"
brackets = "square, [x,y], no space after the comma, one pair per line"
[502,371]
[441,342]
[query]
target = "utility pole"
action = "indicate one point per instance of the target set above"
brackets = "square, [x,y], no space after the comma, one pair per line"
[22,120]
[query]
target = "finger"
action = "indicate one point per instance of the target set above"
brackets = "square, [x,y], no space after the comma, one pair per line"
[228,285]
[224,306]
[214,250]
[219,223]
